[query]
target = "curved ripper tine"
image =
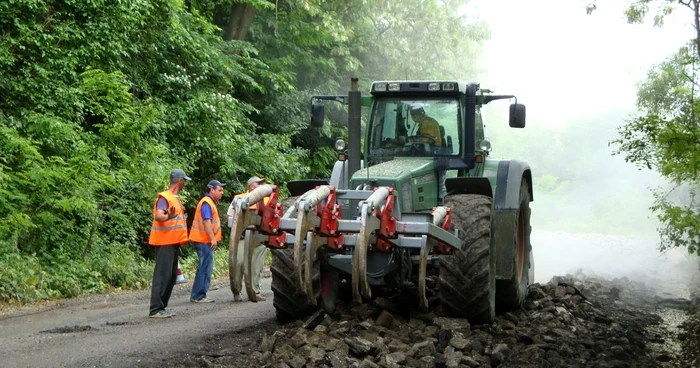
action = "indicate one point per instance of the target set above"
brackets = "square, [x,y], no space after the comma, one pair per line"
[368,224]
[236,231]
[359,263]
[303,224]
[422,270]
[356,297]
[364,244]
[248,249]
[299,244]
[308,275]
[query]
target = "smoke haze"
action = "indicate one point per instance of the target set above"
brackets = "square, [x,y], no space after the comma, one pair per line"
[577,74]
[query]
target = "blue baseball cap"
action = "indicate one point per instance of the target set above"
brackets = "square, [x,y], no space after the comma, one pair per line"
[215,183]
[178,174]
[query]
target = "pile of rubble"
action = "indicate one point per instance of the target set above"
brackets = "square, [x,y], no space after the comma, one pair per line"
[690,339]
[566,323]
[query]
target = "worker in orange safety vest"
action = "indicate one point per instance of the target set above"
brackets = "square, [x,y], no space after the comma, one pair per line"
[168,232]
[206,234]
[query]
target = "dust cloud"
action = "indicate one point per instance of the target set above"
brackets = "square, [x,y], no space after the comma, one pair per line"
[672,274]
[577,74]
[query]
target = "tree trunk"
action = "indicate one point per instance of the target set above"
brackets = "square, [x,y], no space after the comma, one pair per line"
[696,10]
[239,20]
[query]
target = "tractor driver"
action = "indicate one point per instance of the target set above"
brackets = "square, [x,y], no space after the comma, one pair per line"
[428,128]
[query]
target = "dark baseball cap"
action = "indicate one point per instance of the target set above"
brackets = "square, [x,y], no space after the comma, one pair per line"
[178,174]
[255,179]
[215,183]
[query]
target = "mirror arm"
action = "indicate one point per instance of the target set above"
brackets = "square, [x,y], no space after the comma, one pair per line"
[489,98]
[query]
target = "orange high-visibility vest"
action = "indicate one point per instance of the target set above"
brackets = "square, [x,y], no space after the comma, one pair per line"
[198,233]
[173,231]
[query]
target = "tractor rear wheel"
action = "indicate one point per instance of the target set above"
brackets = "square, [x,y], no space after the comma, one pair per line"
[467,276]
[289,302]
[511,293]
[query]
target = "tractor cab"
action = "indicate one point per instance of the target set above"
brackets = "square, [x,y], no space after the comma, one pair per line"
[413,119]
[414,127]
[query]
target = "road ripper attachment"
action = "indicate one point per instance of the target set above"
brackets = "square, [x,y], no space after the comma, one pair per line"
[263,215]
[323,244]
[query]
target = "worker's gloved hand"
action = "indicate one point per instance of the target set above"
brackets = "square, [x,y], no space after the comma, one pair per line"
[171,213]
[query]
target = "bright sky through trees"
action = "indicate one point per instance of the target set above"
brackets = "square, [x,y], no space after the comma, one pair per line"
[558,59]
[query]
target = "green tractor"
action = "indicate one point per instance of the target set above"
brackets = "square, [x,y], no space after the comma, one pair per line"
[423,211]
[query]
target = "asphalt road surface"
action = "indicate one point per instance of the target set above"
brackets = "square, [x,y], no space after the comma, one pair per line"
[113,330]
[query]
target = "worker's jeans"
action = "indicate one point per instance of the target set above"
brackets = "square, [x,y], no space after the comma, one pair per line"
[203,276]
[164,275]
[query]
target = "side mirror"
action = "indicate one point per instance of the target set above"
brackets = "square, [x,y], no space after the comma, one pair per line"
[317,114]
[517,116]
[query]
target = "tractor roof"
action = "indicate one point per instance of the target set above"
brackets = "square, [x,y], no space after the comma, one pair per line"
[411,87]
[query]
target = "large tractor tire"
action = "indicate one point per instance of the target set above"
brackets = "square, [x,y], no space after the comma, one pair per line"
[511,293]
[467,276]
[289,301]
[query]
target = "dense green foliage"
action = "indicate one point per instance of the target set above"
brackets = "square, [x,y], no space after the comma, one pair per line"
[100,99]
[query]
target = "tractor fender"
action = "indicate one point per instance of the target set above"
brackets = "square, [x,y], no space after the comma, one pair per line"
[299,187]
[469,185]
[339,175]
[509,177]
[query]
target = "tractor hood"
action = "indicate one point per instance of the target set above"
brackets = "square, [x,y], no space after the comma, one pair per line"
[413,178]
[394,169]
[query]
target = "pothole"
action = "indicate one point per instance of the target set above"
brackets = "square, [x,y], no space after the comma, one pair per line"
[68,329]
[121,323]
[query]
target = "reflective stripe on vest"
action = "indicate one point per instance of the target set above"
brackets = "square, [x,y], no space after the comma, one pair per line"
[172,231]
[198,233]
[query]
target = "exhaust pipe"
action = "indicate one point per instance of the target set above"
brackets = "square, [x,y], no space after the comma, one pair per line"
[354,125]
